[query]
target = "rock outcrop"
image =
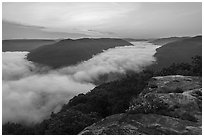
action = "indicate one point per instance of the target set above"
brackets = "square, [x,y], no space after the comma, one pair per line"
[169,105]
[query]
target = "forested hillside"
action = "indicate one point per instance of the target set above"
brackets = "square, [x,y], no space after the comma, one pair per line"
[70,52]
[24,44]
[180,51]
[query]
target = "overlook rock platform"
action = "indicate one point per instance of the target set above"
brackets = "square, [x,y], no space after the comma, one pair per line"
[169,105]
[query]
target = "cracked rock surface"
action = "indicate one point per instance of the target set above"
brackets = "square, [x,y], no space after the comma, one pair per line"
[169,105]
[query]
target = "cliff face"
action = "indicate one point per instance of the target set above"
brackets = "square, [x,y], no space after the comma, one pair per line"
[168,105]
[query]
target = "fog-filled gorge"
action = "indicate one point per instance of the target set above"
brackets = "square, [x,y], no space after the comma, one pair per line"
[31,92]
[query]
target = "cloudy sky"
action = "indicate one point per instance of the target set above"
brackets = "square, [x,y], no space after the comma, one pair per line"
[74,20]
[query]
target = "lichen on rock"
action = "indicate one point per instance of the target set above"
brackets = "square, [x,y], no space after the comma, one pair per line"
[169,105]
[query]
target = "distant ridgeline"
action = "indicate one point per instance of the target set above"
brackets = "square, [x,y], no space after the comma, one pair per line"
[69,52]
[163,41]
[59,53]
[24,44]
[177,50]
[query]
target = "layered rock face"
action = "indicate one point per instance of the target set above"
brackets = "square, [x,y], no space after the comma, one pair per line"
[169,105]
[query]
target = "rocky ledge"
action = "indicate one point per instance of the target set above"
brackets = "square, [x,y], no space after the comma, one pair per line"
[169,105]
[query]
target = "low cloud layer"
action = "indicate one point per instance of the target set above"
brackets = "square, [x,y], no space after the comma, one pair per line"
[117,60]
[32,92]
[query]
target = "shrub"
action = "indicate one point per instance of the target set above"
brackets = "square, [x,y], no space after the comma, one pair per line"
[70,122]
[148,104]
[178,90]
[193,69]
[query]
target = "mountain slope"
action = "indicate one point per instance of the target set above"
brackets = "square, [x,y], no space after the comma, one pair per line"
[24,44]
[180,51]
[134,40]
[163,41]
[69,52]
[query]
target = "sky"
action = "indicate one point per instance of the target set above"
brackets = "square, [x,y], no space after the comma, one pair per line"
[123,20]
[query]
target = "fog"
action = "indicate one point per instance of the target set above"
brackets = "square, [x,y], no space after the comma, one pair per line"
[32,92]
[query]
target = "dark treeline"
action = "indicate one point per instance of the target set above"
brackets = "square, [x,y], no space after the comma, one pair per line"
[193,69]
[104,100]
